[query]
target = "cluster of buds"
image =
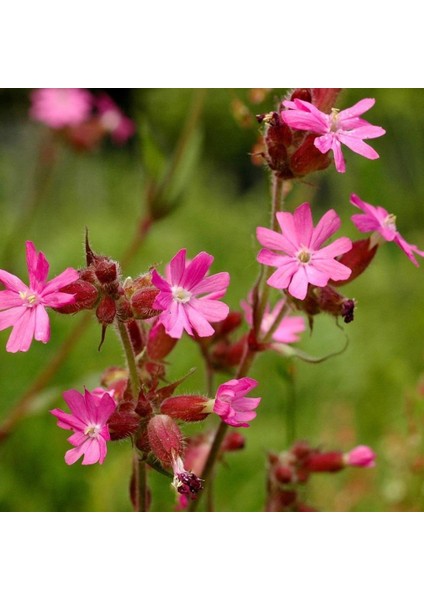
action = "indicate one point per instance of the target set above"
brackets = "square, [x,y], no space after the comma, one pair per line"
[288,470]
[290,153]
[100,286]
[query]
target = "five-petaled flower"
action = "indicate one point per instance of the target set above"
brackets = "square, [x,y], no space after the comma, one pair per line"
[383,224]
[179,299]
[297,252]
[60,107]
[88,419]
[231,403]
[339,127]
[23,307]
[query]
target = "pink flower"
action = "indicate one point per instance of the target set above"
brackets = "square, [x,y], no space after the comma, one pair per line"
[60,107]
[339,127]
[113,120]
[289,329]
[297,252]
[361,456]
[179,299]
[88,420]
[231,403]
[377,219]
[23,307]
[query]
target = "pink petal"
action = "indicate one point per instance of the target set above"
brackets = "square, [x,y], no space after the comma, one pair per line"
[212,310]
[196,270]
[77,406]
[42,324]
[339,160]
[9,299]
[365,132]
[245,404]
[67,421]
[286,222]
[92,452]
[217,284]
[105,409]
[9,317]
[408,249]
[198,322]
[38,267]
[316,276]
[303,223]
[12,282]
[58,299]
[22,333]
[367,223]
[333,268]
[327,225]
[357,109]
[283,275]
[336,248]
[289,329]
[275,241]
[73,455]
[177,267]
[324,143]
[68,276]
[299,284]
[267,257]
[358,146]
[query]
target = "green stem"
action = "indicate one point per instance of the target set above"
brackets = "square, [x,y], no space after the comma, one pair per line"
[291,411]
[131,362]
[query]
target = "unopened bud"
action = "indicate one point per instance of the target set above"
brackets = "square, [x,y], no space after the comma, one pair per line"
[106,270]
[187,408]
[357,259]
[325,462]
[233,441]
[307,158]
[106,311]
[165,438]
[159,343]
[122,424]
[142,303]
[85,294]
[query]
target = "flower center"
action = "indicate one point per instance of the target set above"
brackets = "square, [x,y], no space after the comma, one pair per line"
[180,294]
[390,222]
[334,120]
[92,430]
[29,298]
[304,256]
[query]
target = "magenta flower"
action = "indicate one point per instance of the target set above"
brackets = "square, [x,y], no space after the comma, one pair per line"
[297,252]
[289,329]
[88,420]
[185,482]
[378,220]
[361,456]
[60,107]
[23,307]
[120,127]
[179,299]
[231,403]
[339,127]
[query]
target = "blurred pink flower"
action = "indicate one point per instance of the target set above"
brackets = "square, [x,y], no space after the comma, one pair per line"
[60,107]
[361,456]
[179,299]
[231,403]
[23,307]
[88,419]
[339,127]
[377,219]
[297,252]
[113,120]
[289,329]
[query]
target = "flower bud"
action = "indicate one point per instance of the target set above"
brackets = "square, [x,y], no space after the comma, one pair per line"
[85,294]
[106,311]
[307,158]
[328,462]
[187,408]
[159,343]
[142,303]
[361,456]
[123,310]
[106,270]
[233,441]
[357,259]
[330,301]
[123,423]
[165,438]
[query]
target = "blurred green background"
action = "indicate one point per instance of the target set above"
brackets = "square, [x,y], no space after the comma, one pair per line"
[371,394]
